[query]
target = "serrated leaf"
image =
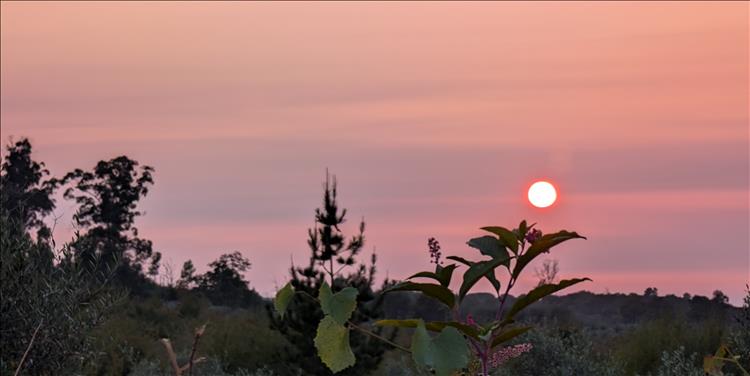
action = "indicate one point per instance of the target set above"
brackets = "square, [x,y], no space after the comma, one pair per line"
[476,272]
[543,244]
[332,343]
[433,326]
[339,305]
[490,277]
[439,292]
[282,299]
[489,246]
[508,238]
[540,292]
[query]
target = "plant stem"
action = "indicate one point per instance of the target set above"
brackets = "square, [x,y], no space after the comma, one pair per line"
[735,362]
[378,336]
[28,348]
[331,272]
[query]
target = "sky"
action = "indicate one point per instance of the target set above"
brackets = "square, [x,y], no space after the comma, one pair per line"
[435,117]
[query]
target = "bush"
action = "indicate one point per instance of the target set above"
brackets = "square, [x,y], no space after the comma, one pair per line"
[44,291]
[640,350]
[559,352]
[678,363]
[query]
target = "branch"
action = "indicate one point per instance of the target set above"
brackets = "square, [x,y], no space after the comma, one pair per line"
[378,336]
[28,348]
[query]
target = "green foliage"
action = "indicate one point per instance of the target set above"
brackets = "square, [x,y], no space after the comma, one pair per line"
[439,292]
[332,342]
[283,298]
[338,306]
[449,351]
[561,352]
[332,261]
[639,349]
[507,249]
[678,363]
[477,271]
[540,292]
[542,245]
[235,339]
[48,295]
[490,246]
[446,353]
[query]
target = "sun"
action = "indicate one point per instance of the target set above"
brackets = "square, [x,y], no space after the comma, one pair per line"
[542,194]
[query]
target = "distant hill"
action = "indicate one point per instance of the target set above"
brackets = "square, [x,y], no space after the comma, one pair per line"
[585,309]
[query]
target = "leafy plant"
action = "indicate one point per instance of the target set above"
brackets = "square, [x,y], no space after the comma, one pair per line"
[331,255]
[459,344]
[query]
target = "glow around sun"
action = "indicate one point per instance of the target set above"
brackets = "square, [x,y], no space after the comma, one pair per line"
[542,194]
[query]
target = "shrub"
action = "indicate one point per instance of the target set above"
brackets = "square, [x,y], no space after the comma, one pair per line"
[54,295]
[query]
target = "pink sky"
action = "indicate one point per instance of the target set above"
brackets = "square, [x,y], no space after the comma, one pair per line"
[434,116]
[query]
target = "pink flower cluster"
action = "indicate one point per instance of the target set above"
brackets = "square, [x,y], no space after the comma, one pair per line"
[507,353]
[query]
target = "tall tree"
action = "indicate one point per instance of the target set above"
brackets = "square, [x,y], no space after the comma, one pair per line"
[26,191]
[108,200]
[330,255]
[224,283]
[187,275]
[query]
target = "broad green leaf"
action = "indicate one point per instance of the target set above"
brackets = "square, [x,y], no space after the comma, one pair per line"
[542,245]
[282,299]
[477,271]
[442,275]
[540,292]
[489,246]
[508,238]
[433,326]
[446,353]
[332,342]
[439,292]
[339,305]
[509,334]
[421,344]
[450,352]
[490,277]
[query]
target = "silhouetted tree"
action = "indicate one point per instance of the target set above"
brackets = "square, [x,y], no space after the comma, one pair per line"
[26,192]
[651,292]
[187,275]
[720,297]
[108,198]
[740,336]
[225,284]
[330,254]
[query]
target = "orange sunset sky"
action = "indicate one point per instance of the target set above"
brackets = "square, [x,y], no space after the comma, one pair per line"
[434,116]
